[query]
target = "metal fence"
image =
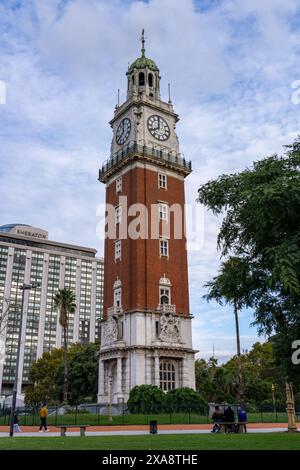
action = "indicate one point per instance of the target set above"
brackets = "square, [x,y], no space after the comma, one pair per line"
[100,415]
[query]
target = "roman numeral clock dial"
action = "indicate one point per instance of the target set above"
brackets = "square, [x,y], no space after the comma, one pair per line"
[158,127]
[123,131]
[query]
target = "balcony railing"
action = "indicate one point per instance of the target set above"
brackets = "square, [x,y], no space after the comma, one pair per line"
[166,308]
[176,160]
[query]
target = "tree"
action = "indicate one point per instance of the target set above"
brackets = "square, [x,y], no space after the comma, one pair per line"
[261,225]
[83,374]
[231,287]
[64,300]
[42,376]
[47,376]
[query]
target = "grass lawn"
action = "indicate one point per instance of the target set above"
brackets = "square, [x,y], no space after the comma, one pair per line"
[263,441]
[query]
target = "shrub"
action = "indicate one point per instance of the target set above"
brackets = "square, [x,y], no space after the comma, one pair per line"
[146,399]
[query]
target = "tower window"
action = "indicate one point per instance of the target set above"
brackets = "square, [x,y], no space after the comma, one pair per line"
[164,296]
[150,80]
[118,214]
[162,181]
[164,247]
[118,297]
[118,249]
[119,184]
[141,79]
[163,211]
[167,375]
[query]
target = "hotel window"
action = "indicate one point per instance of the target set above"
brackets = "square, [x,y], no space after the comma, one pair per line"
[164,247]
[117,250]
[118,214]
[119,184]
[163,211]
[162,180]
[167,376]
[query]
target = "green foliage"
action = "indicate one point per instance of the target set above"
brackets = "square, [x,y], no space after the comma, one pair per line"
[146,399]
[46,376]
[83,375]
[186,399]
[261,227]
[219,383]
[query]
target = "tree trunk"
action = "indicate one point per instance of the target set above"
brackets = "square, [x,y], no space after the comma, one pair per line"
[65,395]
[241,386]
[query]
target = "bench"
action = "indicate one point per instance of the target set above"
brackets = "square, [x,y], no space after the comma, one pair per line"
[238,427]
[63,428]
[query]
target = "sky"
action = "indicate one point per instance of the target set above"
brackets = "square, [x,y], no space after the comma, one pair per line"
[234,71]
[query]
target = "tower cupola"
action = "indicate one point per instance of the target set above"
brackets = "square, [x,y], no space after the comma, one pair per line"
[143,76]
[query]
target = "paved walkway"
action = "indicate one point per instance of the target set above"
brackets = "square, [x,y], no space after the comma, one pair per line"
[32,431]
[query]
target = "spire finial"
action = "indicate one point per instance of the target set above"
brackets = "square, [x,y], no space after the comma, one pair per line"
[143,43]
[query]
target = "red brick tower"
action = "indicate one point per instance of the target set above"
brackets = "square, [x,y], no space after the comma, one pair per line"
[146,332]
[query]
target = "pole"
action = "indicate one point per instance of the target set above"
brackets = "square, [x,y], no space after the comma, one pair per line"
[290,408]
[273,398]
[15,388]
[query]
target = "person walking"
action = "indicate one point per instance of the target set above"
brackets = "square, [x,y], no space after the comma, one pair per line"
[16,423]
[43,418]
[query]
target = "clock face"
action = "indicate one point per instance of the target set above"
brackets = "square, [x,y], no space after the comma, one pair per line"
[123,131]
[158,127]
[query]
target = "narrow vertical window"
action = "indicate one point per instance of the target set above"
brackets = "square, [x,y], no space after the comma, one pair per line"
[118,250]
[162,180]
[163,211]
[118,214]
[164,247]
[119,184]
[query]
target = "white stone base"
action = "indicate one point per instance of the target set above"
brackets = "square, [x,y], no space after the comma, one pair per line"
[135,359]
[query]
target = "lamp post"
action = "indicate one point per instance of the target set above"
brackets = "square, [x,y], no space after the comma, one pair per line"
[23,288]
[273,398]
[290,407]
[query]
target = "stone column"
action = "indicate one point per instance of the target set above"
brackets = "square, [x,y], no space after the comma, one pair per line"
[101,378]
[156,370]
[119,377]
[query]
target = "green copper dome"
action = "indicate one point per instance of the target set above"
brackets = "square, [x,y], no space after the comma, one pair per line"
[143,61]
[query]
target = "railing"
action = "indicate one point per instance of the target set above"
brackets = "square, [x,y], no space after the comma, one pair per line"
[166,308]
[168,157]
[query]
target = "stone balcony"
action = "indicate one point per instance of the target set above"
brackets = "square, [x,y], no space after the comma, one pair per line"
[166,308]
[133,151]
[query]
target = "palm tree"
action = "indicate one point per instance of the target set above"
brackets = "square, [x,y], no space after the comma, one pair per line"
[64,301]
[230,286]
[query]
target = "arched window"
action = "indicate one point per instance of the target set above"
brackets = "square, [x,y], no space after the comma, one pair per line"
[141,79]
[167,375]
[150,80]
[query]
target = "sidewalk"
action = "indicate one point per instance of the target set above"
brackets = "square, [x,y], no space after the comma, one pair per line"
[32,431]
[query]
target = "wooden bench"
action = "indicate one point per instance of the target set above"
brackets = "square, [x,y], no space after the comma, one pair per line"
[238,427]
[63,428]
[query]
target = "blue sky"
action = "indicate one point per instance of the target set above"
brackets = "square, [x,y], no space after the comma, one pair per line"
[231,65]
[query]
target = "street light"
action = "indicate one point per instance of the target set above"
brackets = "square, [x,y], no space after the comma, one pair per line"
[23,288]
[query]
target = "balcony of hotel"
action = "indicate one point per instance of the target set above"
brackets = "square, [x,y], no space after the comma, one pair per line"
[134,151]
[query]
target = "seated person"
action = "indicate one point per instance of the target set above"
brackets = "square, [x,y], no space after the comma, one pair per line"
[217,417]
[242,418]
[229,418]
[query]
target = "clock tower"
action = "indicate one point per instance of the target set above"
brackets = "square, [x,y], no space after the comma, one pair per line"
[146,330]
